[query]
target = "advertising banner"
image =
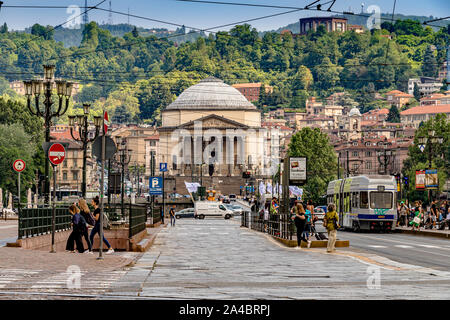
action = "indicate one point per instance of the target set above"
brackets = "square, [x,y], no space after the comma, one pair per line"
[431,179]
[420,179]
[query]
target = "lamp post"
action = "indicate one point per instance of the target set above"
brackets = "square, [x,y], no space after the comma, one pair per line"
[36,88]
[81,121]
[125,157]
[385,157]
[431,139]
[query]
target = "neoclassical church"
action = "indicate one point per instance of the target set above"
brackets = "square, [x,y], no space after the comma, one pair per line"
[211,127]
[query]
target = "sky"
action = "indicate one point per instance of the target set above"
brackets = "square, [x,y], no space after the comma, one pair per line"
[199,15]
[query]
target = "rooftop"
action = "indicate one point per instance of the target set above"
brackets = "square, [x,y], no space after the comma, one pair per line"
[442,108]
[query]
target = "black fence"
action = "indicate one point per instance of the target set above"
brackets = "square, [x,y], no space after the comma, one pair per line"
[38,221]
[137,218]
[278,225]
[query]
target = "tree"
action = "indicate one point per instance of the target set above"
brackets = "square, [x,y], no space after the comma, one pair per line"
[321,158]
[15,144]
[418,160]
[416,92]
[393,115]
[4,28]
[429,65]
[135,32]
[121,115]
[41,31]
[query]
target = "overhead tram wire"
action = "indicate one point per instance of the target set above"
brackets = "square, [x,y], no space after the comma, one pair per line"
[438,19]
[388,42]
[288,7]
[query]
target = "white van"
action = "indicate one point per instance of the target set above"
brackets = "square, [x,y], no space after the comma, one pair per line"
[210,209]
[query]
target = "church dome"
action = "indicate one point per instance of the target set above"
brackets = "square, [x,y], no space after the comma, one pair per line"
[211,93]
[354,112]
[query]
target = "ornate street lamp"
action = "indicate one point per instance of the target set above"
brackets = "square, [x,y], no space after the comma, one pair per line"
[44,87]
[431,139]
[125,157]
[81,121]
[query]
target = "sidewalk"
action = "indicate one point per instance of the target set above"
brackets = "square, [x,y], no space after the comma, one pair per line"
[425,232]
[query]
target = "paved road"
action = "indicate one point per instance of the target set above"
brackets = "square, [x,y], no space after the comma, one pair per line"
[423,251]
[216,259]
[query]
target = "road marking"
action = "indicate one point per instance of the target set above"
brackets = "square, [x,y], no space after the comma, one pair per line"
[377,246]
[429,246]
[403,246]
[8,227]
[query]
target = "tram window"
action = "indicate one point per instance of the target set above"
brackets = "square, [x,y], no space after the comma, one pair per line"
[381,200]
[364,200]
[354,200]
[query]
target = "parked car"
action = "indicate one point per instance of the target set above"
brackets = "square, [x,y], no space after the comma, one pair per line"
[319,212]
[185,213]
[325,208]
[226,200]
[175,196]
[232,197]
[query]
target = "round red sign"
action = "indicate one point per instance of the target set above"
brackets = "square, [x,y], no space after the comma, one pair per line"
[105,122]
[56,153]
[19,165]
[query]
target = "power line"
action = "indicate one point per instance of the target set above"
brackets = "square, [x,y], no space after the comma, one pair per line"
[286,7]
[438,19]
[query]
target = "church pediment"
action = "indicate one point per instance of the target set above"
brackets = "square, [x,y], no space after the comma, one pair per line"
[215,122]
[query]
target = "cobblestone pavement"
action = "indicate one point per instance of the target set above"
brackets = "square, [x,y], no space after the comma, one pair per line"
[217,259]
[8,231]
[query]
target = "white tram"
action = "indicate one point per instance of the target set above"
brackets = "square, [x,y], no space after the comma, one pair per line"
[365,202]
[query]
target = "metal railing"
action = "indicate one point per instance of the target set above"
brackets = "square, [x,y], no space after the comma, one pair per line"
[278,225]
[38,221]
[137,218]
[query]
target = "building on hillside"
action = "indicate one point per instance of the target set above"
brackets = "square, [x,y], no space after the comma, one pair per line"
[366,155]
[398,98]
[251,90]
[436,99]
[275,114]
[331,24]
[212,132]
[442,74]
[426,85]
[355,27]
[314,107]
[375,115]
[389,130]
[417,115]
[135,138]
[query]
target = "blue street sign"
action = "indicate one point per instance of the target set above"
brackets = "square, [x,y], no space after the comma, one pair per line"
[156,186]
[163,167]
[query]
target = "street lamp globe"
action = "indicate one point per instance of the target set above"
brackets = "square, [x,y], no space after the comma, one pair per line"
[28,88]
[71,120]
[422,140]
[86,108]
[431,133]
[60,87]
[37,87]
[97,121]
[440,140]
[49,72]
[69,86]
[80,120]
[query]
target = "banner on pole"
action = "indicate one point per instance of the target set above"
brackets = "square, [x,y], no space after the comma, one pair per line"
[431,179]
[420,179]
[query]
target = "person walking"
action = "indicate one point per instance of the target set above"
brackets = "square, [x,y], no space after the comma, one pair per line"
[415,223]
[331,222]
[308,222]
[299,220]
[86,214]
[78,224]
[172,216]
[434,213]
[266,217]
[97,226]
[403,212]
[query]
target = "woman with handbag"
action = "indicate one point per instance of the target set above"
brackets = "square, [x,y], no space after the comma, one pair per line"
[415,223]
[299,221]
[331,222]
[86,213]
[96,229]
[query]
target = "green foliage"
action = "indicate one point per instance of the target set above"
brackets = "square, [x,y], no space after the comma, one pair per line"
[41,31]
[15,144]
[393,115]
[429,66]
[418,160]
[321,158]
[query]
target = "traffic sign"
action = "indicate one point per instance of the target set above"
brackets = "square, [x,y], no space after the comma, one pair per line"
[156,186]
[105,122]
[19,165]
[163,167]
[110,147]
[56,153]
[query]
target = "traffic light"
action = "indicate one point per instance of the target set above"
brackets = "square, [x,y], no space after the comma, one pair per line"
[246,174]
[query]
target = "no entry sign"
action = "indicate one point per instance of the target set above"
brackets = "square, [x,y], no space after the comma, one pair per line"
[19,165]
[105,122]
[56,153]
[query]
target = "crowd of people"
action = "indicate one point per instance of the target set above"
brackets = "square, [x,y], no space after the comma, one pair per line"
[81,219]
[304,220]
[418,215]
